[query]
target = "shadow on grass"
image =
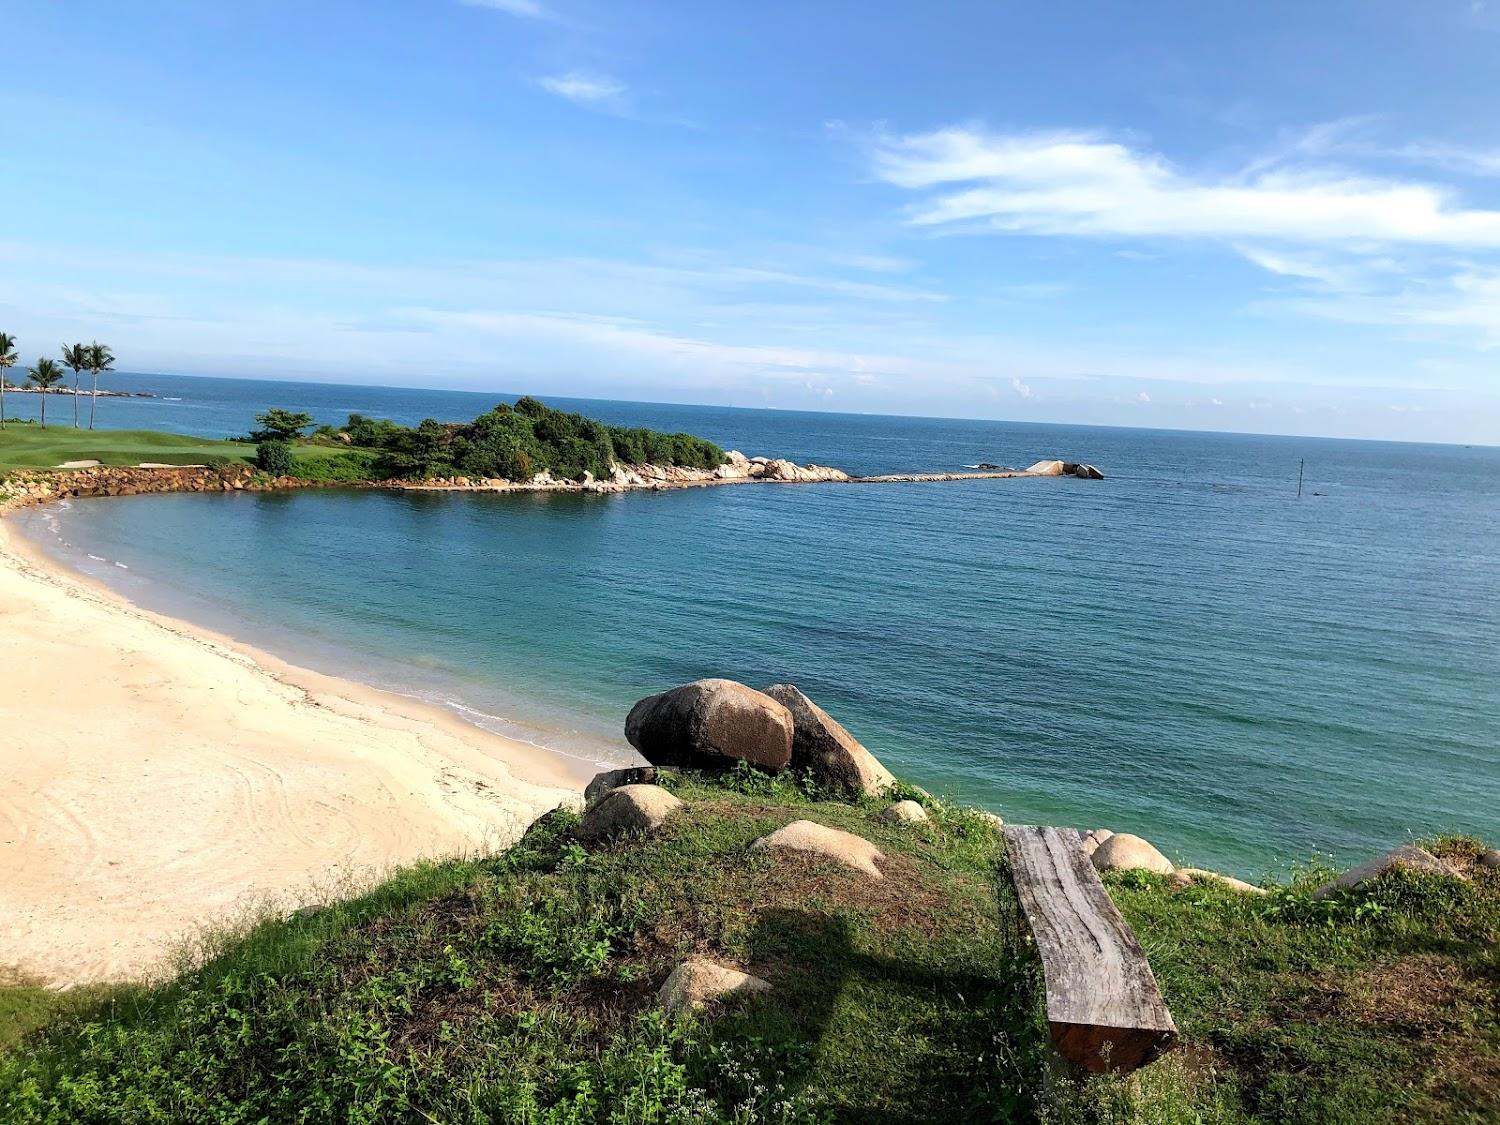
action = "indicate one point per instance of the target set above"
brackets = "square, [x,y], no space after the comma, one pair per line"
[892,1031]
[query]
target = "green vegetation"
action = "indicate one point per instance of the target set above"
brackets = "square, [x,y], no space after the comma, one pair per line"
[513,443]
[7,361]
[518,442]
[25,445]
[522,988]
[280,425]
[44,375]
[101,359]
[76,357]
[274,458]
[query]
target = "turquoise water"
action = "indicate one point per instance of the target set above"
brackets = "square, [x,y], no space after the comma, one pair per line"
[1184,650]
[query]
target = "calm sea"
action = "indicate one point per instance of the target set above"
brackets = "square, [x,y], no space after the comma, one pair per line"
[1185,650]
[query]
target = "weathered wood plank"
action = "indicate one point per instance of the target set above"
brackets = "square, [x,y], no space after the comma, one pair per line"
[1104,1009]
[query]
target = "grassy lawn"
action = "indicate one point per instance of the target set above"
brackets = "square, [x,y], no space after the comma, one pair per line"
[29,446]
[522,988]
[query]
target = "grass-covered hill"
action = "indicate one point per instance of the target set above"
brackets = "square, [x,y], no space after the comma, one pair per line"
[522,988]
[509,442]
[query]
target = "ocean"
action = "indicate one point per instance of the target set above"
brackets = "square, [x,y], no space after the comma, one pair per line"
[1185,650]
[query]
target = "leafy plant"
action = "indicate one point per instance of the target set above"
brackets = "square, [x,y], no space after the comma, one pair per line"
[274,458]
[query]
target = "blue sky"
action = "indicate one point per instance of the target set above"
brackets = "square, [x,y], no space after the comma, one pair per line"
[1274,217]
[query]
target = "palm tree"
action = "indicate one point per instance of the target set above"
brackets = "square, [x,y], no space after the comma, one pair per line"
[100,359]
[75,356]
[45,375]
[7,361]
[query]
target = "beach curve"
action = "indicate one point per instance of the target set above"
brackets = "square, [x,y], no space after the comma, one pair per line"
[157,780]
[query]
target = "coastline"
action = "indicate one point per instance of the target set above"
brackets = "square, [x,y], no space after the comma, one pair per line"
[158,780]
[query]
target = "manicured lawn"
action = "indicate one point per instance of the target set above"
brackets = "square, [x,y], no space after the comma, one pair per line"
[29,446]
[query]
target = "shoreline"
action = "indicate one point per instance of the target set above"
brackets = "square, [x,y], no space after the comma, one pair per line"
[158,780]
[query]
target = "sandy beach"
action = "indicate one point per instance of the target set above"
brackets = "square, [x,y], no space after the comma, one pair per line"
[156,779]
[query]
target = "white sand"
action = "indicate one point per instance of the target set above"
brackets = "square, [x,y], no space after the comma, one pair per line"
[155,780]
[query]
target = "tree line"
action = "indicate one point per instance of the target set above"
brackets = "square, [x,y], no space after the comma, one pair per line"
[46,374]
[509,442]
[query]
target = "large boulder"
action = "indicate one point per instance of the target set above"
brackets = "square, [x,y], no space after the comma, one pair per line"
[1124,852]
[1093,838]
[827,843]
[1186,876]
[630,810]
[904,812]
[1490,859]
[823,747]
[711,724]
[615,779]
[1408,856]
[694,983]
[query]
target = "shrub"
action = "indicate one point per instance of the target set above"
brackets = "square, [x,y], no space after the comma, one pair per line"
[351,465]
[281,425]
[274,458]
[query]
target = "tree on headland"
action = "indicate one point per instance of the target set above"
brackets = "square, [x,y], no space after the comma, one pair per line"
[281,425]
[44,376]
[75,356]
[100,359]
[7,361]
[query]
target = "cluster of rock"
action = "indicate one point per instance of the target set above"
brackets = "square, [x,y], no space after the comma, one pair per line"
[1120,851]
[34,487]
[643,478]
[1064,469]
[714,724]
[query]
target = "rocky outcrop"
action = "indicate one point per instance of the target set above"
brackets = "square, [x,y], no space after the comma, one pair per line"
[1124,852]
[22,487]
[1490,859]
[904,812]
[1082,472]
[695,983]
[819,840]
[712,724]
[1093,838]
[1408,856]
[1186,876]
[820,745]
[1046,469]
[604,782]
[630,810]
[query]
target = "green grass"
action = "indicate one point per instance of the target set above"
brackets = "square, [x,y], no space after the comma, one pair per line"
[522,988]
[28,446]
[31,447]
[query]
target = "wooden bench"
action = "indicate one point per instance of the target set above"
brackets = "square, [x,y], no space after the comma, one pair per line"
[1104,1009]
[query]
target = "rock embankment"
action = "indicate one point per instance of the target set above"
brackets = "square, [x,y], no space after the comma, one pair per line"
[88,478]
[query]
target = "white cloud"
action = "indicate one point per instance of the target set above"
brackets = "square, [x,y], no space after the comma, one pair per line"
[1081,184]
[1143,398]
[528,8]
[1022,389]
[1468,302]
[584,88]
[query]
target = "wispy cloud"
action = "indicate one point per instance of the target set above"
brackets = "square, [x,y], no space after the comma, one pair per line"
[586,89]
[1081,184]
[527,8]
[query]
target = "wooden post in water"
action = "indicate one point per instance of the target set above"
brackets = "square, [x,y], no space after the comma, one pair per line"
[1300,466]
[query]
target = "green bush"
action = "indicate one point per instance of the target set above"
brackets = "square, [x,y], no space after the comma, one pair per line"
[350,465]
[516,443]
[274,458]
[280,425]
